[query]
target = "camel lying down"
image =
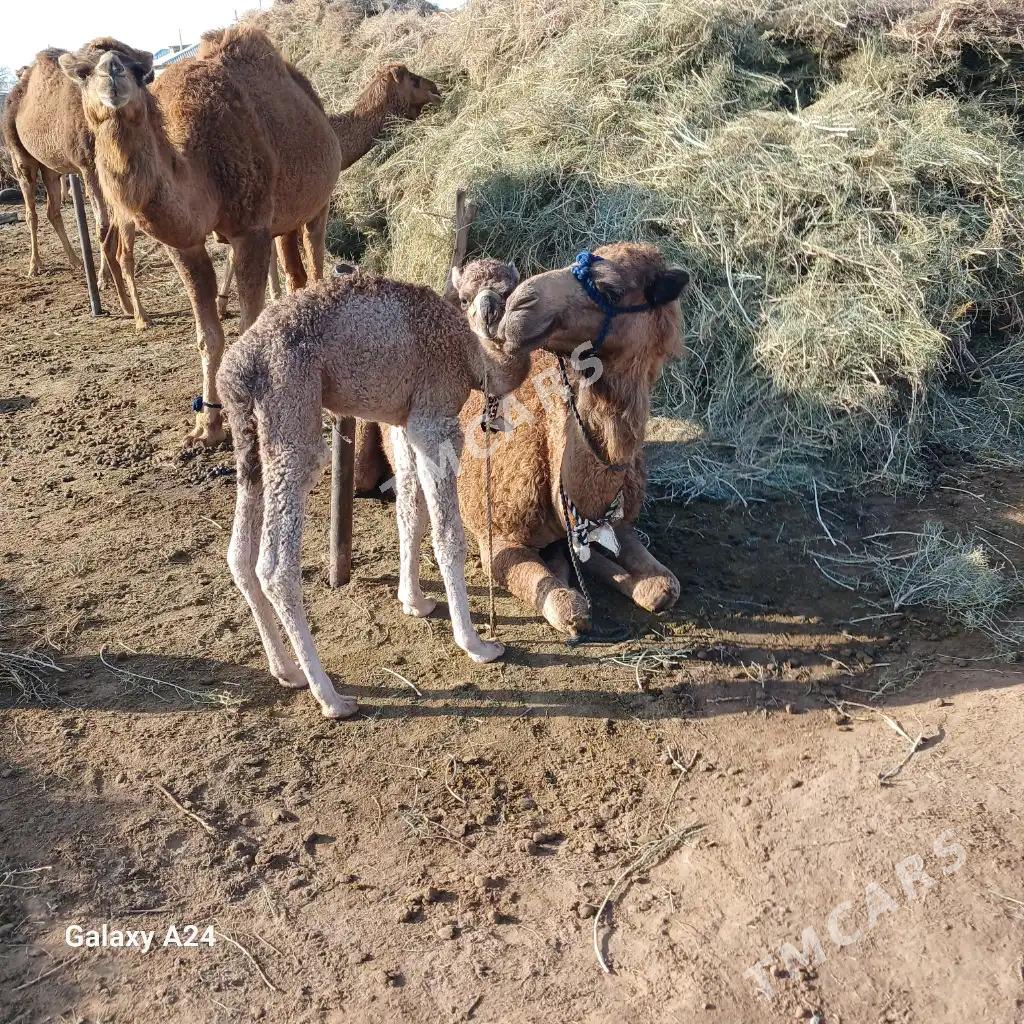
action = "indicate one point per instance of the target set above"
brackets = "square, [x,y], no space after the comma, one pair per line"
[598,463]
[362,346]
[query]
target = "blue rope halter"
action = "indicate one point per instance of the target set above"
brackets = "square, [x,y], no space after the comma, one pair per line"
[582,270]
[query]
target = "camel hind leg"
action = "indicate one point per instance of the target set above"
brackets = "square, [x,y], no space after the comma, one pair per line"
[440,439]
[314,233]
[291,464]
[26,175]
[125,237]
[51,179]
[243,552]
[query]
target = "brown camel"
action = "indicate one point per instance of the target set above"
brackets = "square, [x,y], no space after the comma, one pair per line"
[356,345]
[47,135]
[545,453]
[235,143]
[394,93]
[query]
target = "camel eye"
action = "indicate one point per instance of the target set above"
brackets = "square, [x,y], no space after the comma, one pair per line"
[464,303]
[613,295]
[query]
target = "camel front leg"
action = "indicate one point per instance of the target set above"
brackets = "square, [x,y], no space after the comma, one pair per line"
[314,233]
[196,272]
[252,260]
[26,176]
[275,277]
[636,573]
[411,509]
[436,443]
[291,260]
[126,261]
[371,462]
[51,179]
[522,572]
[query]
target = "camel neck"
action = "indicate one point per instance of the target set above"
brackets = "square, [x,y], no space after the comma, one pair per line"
[359,129]
[614,410]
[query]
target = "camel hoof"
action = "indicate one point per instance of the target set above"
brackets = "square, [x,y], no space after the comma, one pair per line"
[418,607]
[656,593]
[35,271]
[208,432]
[343,707]
[143,323]
[567,611]
[487,651]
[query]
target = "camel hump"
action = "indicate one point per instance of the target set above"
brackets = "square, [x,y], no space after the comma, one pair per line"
[239,42]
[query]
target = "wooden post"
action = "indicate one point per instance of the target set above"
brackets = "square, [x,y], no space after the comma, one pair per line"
[83,235]
[343,452]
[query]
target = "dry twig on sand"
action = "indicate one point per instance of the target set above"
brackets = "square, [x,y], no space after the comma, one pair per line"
[250,958]
[915,744]
[205,825]
[648,856]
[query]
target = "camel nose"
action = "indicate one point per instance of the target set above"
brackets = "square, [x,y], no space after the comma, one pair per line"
[110,64]
[490,307]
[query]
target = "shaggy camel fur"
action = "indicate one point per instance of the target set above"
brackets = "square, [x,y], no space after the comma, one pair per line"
[544,448]
[47,136]
[394,93]
[480,290]
[356,345]
[235,143]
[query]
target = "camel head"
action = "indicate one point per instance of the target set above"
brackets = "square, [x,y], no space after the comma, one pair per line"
[566,308]
[110,74]
[405,93]
[481,289]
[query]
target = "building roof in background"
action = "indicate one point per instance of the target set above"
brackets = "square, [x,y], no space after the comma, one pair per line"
[172,54]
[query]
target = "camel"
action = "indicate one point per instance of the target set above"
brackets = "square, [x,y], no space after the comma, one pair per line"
[545,453]
[233,142]
[394,93]
[357,345]
[46,133]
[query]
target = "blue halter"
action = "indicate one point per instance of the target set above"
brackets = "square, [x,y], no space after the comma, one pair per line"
[582,270]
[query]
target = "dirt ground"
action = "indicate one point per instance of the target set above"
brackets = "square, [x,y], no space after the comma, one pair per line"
[443,856]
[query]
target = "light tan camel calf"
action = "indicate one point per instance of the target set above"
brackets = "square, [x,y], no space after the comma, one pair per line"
[598,464]
[362,346]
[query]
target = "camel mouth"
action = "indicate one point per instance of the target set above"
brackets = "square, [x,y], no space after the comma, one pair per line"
[514,332]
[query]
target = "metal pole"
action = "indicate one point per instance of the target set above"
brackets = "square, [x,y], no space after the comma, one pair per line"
[83,235]
[343,452]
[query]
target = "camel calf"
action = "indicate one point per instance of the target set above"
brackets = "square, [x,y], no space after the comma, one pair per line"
[363,346]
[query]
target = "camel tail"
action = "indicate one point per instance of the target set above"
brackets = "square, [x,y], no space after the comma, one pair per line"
[242,378]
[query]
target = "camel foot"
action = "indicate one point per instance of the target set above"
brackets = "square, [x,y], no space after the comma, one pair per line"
[418,605]
[143,323]
[34,270]
[566,610]
[340,707]
[656,593]
[484,651]
[209,431]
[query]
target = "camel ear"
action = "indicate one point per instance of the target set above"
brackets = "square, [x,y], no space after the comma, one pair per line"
[398,73]
[667,287]
[451,286]
[145,66]
[514,273]
[75,68]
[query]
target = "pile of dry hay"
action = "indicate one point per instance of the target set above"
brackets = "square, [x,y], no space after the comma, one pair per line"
[844,178]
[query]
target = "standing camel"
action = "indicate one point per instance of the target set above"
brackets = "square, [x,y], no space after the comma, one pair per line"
[234,143]
[394,93]
[363,346]
[47,135]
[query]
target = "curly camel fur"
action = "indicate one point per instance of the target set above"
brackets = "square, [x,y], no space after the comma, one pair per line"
[234,142]
[394,93]
[47,136]
[363,346]
[544,446]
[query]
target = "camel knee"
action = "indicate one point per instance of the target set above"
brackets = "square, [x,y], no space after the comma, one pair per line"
[656,593]
[243,568]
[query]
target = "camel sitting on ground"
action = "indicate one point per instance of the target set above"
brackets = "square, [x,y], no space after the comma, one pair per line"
[364,346]
[394,93]
[47,136]
[233,142]
[545,453]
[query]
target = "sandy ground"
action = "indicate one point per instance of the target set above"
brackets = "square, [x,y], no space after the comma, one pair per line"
[443,856]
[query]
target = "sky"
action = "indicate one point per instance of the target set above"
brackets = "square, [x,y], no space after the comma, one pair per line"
[29,27]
